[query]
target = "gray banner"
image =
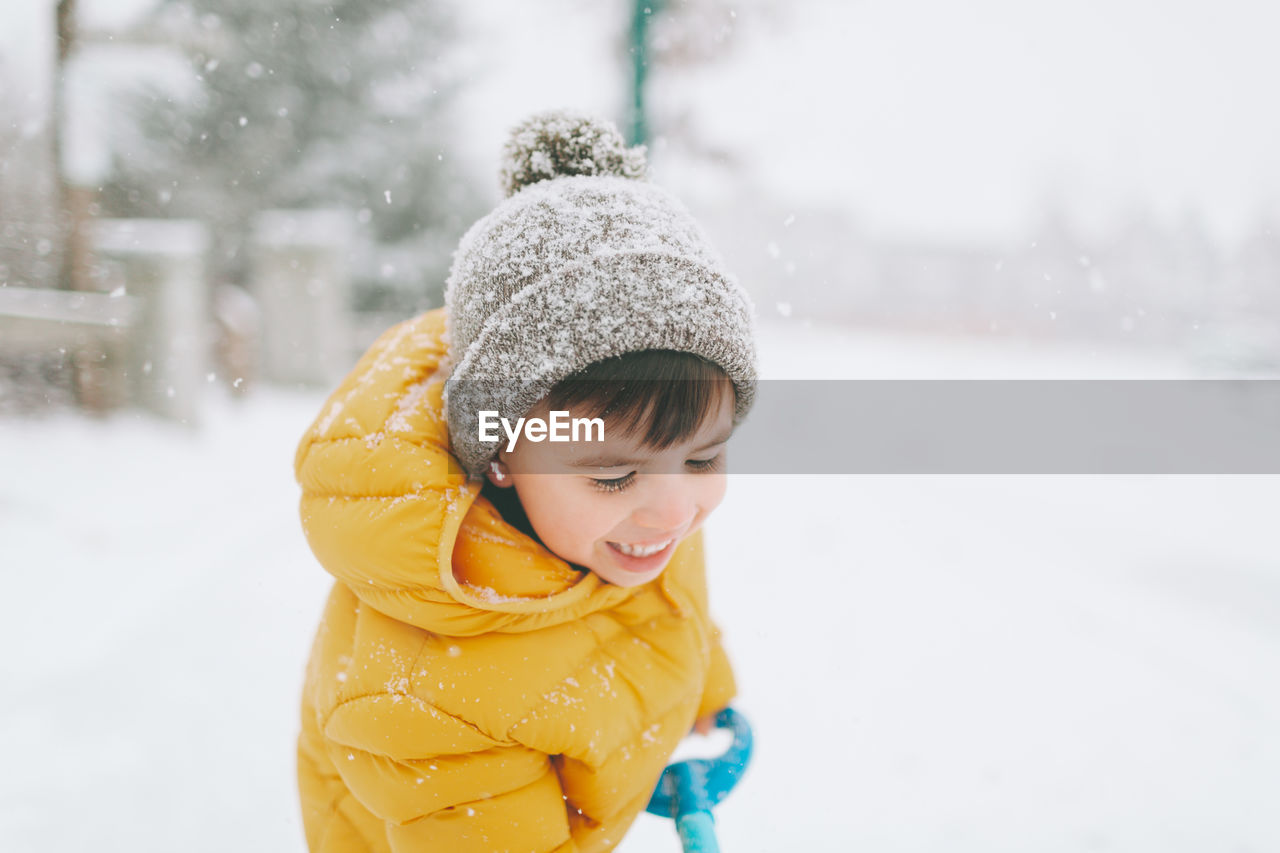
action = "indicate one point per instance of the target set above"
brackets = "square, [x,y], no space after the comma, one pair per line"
[1011,427]
[816,427]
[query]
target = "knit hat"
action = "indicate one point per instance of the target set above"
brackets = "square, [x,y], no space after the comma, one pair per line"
[583,261]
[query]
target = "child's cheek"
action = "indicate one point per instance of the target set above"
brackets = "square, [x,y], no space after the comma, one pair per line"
[598,518]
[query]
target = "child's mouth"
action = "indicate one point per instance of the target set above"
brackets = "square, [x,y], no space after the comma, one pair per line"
[642,558]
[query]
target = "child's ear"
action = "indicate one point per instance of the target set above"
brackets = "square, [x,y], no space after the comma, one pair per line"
[498,474]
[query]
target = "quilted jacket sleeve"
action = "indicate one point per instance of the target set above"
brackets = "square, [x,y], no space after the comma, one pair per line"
[442,784]
[721,687]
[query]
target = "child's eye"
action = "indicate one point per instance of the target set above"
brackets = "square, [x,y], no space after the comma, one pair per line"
[617,484]
[712,464]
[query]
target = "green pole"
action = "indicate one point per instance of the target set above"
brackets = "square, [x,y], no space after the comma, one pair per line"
[644,10]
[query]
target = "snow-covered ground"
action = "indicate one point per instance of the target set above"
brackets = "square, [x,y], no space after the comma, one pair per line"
[931,664]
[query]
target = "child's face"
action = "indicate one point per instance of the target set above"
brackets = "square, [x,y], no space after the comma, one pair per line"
[593,502]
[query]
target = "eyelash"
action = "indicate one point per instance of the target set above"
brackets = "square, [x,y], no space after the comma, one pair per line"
[618,484]
[615,485]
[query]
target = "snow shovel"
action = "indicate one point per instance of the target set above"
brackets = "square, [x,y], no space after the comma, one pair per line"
[688,790]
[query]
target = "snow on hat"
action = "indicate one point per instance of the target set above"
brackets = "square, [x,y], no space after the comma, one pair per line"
[584,260]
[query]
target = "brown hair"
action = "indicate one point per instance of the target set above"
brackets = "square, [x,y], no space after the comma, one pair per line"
[663,394]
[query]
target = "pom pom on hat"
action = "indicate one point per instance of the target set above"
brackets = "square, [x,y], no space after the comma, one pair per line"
[560,142]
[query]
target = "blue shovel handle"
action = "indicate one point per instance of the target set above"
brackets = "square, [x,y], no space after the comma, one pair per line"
[688,790]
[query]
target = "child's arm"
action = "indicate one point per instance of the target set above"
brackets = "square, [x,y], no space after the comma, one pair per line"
[721,686]
[440,784]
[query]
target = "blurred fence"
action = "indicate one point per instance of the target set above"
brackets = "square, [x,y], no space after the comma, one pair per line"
[154,331]
[93,332]
[302,283]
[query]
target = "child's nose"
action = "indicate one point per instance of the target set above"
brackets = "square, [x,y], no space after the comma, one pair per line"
[669,506]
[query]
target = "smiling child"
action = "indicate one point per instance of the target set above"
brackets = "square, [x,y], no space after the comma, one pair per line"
[518,636]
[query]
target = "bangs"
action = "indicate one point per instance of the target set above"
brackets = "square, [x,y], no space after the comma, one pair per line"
[662,395]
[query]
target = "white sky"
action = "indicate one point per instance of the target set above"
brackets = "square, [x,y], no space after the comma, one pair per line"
[925,117]
[954,120]
[942,115]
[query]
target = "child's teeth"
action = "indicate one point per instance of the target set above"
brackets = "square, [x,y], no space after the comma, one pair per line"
[641,551]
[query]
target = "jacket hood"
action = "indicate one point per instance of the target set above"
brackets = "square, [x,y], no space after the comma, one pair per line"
[388,511]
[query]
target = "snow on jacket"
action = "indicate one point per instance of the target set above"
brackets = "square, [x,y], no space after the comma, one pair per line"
[468,690]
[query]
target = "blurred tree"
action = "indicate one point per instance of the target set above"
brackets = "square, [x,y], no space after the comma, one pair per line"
[693,32]
[71,257]
[683,36]
[306,104]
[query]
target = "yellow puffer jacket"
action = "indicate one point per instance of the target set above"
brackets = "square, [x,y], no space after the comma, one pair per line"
[468,690]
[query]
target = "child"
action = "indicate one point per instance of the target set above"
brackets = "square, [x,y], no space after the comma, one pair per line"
[518,636]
